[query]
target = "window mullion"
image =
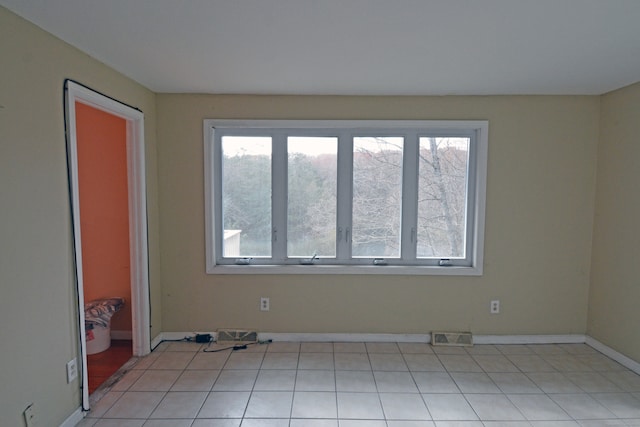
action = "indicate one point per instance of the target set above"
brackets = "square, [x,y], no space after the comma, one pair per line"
[279,186]
[410,197]
[345,191]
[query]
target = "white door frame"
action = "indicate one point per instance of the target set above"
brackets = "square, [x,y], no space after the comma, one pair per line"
[140,311]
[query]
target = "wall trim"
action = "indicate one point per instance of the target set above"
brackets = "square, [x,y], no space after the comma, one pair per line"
[73,419]
[529,339]
[613,354]
[426,338]
[358,337]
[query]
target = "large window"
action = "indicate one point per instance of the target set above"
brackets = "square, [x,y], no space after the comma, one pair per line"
[393,197]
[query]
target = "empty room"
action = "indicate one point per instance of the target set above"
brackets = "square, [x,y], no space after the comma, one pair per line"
[304,213]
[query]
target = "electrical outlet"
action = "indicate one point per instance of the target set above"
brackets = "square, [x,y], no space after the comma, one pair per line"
[30,416]
[72,370]
[495,307]
[264,304]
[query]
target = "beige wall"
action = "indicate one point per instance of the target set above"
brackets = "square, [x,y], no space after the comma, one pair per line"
[541,189]
[38,316]
[614,302]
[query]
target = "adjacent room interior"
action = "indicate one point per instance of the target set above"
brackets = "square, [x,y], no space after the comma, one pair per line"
[561,236]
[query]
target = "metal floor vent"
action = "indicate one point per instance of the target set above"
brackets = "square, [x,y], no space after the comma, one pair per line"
[462,339]
[236,336]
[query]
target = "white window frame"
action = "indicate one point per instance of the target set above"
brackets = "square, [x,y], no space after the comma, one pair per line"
[478,129]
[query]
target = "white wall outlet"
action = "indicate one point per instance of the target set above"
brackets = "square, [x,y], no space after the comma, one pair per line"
[264,304]
[30,416]
[72,370]
[495,306]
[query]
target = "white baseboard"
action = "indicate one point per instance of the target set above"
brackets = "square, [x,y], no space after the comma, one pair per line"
[413,338]
[322,337]
[426,338]
[613,354]
[73,419]
[528,339]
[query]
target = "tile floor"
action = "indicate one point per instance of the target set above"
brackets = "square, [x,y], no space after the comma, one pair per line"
[373,385]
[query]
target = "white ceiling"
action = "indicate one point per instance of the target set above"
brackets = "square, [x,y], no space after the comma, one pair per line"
[363,47]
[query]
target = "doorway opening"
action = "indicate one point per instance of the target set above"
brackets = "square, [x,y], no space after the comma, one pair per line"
[105,148]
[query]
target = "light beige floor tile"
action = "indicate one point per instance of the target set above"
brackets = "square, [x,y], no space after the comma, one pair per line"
[127,380]
[269,404]
[275,380]
[387,362]
[236,380]
[623,405]
[359,406]
[312,404]
[423,362]
[135,404]
[225,404]
[173,360]
[382,347]
[401,423]
[208,361]
[510,349]
[394,382]
[184,346]
[168,423]
[156,380]
[459,424]
[404,406]
[119,423]
[180,404]
[316,361]
[195,380]
[355,381]
[352,362]
[217,423]
[449,407]
[283,347]
[530,363]
[313,423]
[592,382]
[538,407]
[315,380]
[349,347]
[316,347]
[494,407]
[581,406]
[362,423]
[435,382]
[249,422]
[495,363]
[485,349]
[553,382]
[280,361]
[415,348]
[240,360]
[514,382]
[444,349]
[626,380]
[459,363]
[474,382]
[98,409]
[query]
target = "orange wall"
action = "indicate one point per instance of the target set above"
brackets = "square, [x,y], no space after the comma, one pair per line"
[104,208]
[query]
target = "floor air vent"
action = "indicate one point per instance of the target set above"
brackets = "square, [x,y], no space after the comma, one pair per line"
[452,338]
[236,336]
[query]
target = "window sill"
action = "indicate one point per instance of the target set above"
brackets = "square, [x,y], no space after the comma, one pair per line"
[344,269]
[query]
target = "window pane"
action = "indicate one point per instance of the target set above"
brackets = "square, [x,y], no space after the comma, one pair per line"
[246,196]
[377,196]
[312,186]
[442,201]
